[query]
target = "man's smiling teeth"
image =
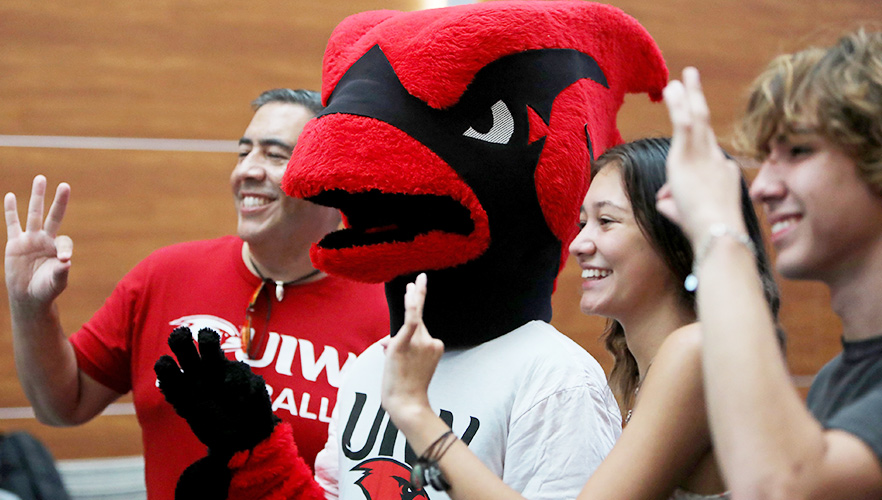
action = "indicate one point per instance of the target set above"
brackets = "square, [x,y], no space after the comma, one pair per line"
[254,201]
[783,224]
[595,273]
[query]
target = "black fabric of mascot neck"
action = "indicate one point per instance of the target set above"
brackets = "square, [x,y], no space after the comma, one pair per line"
[471,304]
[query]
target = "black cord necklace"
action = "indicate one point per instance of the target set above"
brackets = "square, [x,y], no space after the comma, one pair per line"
[280,285]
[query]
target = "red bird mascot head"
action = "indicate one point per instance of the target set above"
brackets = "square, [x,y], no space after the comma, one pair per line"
[456,141]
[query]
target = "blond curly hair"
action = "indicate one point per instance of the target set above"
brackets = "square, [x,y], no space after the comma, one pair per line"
[836,92]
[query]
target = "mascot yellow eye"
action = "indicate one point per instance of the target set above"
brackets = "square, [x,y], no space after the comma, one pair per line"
[501,130]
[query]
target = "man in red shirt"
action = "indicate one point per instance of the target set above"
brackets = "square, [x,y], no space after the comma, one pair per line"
[294,325]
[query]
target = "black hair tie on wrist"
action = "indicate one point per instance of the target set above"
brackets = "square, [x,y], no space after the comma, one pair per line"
[426,469]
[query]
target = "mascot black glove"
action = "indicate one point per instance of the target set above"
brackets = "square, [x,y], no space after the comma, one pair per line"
[225,404]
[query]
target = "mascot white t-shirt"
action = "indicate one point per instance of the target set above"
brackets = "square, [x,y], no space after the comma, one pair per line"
[533,405]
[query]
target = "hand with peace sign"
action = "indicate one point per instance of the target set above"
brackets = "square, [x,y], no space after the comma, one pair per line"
[38,262]
[37,259]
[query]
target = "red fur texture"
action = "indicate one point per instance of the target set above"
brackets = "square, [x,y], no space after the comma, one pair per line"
[273,470]
[436,52]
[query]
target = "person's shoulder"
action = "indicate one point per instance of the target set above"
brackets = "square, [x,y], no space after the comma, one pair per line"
[684,342]
[673,383]
[352,285]
[549,366]
[541,338]
[190,256]
[358,297]
[365,365]
[680,351]
[196,249]
[543,349]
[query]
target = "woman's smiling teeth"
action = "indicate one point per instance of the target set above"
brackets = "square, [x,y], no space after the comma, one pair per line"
[595,274]
[783,224]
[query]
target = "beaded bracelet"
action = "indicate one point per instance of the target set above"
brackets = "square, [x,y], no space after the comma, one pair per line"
[426,470]
[715,231]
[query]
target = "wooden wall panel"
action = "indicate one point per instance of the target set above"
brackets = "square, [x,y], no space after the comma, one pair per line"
[188,68]
[164,68]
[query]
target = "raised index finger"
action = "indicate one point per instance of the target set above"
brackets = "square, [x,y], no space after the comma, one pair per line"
[417,299]
[698,106]
[414,298]
[13,226]
[695,94]
[35,205]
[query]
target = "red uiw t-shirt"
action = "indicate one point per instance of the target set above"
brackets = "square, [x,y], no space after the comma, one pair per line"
[312,333]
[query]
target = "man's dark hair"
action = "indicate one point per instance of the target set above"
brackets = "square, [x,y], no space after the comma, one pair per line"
[309,99]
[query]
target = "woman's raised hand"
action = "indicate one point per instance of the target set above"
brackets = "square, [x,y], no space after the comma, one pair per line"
[411,358]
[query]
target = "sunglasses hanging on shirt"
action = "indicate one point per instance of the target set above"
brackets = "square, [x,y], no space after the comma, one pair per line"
[250,344]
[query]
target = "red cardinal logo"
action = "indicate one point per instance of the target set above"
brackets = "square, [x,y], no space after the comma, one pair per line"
[387,479]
